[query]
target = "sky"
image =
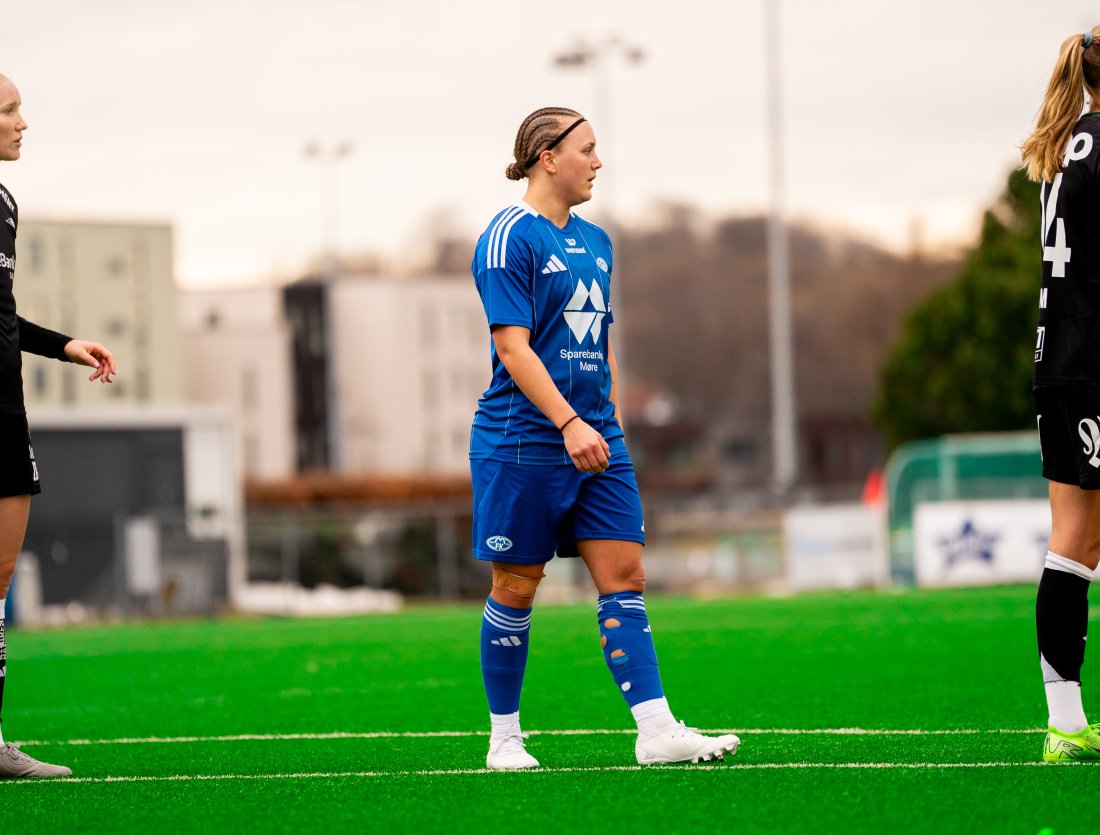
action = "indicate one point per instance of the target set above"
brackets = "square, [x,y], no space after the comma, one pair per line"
[896,116]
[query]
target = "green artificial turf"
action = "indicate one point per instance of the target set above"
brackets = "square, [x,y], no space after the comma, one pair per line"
[345,717]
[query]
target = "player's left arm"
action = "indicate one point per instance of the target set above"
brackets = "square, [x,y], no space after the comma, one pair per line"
[614,368]
[93,355]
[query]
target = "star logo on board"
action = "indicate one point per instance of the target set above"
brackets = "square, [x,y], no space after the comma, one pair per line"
[585,312]
[968,545]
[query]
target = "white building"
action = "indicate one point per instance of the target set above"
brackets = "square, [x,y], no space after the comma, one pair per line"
[412,361]
[238,355]
[107,282]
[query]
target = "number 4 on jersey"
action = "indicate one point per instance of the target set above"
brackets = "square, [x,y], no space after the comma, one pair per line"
[1059,254]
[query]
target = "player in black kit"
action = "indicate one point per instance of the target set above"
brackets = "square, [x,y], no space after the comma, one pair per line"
[1063,153]
[18,469]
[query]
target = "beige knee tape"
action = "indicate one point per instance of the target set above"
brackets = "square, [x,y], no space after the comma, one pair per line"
[517,583]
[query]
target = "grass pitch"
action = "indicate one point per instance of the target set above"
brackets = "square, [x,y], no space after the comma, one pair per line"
[911,712]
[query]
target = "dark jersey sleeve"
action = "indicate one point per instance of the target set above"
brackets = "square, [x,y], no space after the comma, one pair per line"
[36,339]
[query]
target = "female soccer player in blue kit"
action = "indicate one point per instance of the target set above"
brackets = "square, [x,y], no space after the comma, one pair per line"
[551,472]
[1063,153]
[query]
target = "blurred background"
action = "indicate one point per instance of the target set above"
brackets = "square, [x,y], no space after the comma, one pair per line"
[826,264]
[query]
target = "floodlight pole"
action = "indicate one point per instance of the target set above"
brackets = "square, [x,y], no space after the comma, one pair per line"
[784,429]
[598,55]
[327,161]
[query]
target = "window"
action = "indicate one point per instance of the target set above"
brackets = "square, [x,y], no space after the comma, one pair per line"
[250,388]
[115,267]
[36,254]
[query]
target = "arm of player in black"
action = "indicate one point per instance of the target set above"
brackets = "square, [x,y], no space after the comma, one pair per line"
[36,339]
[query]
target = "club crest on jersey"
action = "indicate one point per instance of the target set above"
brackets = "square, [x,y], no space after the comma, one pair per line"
[498,543]
[583,322]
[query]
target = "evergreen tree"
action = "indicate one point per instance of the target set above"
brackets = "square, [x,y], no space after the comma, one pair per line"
[963,362]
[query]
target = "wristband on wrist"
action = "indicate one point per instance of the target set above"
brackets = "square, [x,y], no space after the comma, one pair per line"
[562,427]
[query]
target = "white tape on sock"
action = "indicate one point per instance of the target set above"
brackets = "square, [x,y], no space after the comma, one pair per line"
[1060,563]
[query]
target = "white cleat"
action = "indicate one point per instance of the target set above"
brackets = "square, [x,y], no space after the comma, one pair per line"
[680,744]
[14,763]
[508,753]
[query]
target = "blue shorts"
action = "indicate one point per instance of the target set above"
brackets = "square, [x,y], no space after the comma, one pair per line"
[528,512]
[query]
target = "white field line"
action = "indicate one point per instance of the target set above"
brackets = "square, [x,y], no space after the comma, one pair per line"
[343,775]
[169,740]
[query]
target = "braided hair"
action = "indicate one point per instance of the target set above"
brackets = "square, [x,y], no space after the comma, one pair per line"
[537,131]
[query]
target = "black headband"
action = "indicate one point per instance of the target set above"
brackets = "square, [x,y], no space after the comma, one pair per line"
[553,144]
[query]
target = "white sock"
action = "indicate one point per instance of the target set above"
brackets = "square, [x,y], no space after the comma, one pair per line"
[653,716]
[504,724]
[1066,713]
[1064,702]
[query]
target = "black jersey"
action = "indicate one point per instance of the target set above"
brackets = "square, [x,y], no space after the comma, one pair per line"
[16,333]
[1067,345]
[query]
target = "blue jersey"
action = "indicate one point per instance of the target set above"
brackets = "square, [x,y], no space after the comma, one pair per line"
[557,283]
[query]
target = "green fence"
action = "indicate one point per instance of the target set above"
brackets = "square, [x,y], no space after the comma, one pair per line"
[956,467]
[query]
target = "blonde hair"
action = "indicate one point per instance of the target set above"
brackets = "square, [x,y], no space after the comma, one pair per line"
[1076,75]
[538,129]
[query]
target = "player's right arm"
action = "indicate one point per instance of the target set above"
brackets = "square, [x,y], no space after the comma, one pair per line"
[586,447]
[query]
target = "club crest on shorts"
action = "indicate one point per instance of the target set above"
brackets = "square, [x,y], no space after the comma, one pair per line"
[498,543]
[1089,431]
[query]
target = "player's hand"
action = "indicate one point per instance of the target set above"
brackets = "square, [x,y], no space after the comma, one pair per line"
[94,356]
[586,447]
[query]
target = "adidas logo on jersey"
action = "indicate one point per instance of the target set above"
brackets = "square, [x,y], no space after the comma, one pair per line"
[11,222]
[554,265]
[507,641]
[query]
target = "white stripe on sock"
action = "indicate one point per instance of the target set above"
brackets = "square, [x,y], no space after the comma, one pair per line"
[504,626]
[523,620]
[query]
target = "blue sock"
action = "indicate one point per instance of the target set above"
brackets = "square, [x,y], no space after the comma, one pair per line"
[504,635]
[628,646]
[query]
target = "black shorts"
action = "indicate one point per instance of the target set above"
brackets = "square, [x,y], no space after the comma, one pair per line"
[18,470]
[1069,434]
